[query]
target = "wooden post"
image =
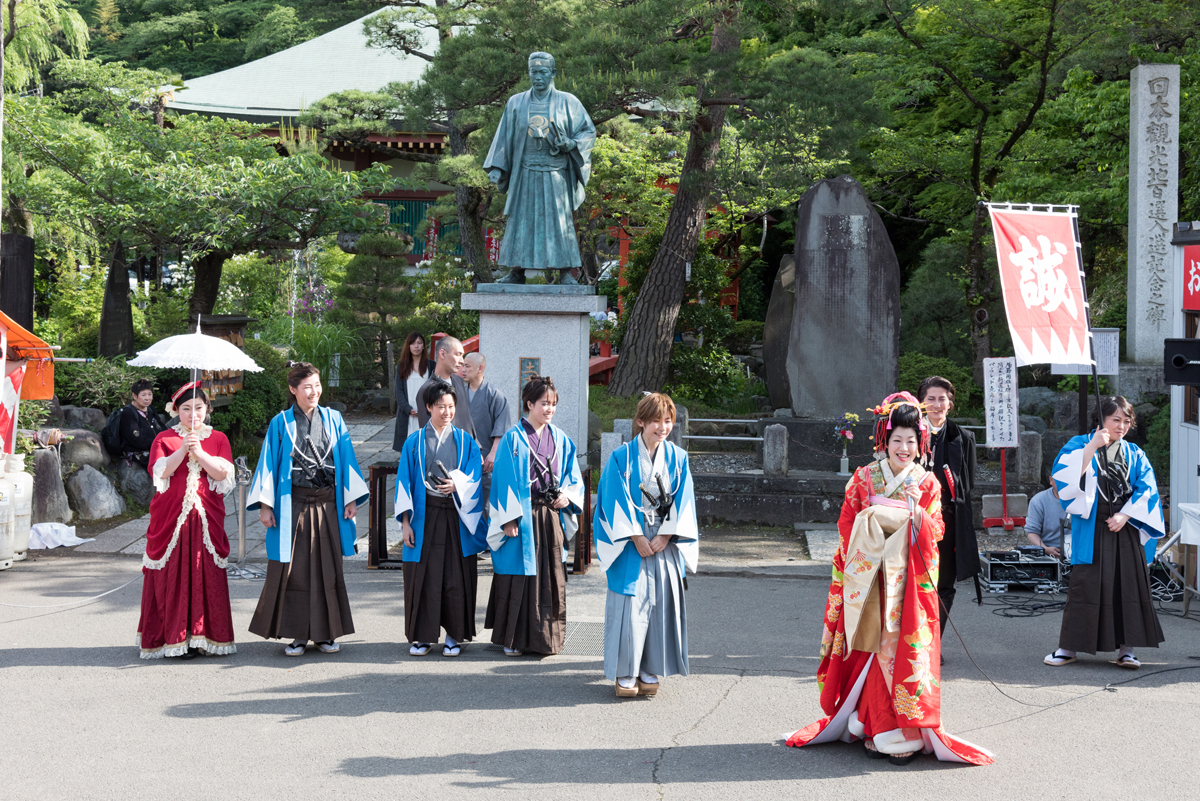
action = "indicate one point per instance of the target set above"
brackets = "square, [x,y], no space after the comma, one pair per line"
[391,374]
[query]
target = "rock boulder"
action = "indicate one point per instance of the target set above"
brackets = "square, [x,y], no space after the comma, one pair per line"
[135,482]
[1036,400]
[84,417]
[49,495]
[93,496]
[84,448]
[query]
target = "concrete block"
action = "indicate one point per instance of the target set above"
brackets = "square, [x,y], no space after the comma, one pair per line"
[609,442]
[624,428]
[822,544]
[1018,505]
[681,426]
[1029,457]
[775,451]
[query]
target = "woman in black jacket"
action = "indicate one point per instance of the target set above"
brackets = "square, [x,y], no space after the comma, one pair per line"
[411,373]
[951,458]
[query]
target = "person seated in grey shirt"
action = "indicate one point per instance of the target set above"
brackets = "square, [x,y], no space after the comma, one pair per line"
[1046,521]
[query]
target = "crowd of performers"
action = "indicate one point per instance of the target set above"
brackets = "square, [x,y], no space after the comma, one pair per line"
[515,493]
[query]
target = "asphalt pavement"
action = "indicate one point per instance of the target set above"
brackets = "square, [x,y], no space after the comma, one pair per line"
[84,717]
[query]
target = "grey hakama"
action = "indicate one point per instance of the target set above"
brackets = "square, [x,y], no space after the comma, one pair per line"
[647,631]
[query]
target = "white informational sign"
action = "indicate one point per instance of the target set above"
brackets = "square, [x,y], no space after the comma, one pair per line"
[1001,411]
[1107,344]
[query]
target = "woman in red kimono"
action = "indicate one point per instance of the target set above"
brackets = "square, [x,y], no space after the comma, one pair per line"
[879,675]
[185,592]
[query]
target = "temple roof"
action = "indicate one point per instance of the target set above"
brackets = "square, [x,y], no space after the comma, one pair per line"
[277,86]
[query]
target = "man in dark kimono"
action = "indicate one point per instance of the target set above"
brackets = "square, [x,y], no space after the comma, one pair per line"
[449,355]
[542,157]
[489,412]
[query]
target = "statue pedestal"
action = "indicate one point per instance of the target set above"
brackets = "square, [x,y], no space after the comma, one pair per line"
[539,333]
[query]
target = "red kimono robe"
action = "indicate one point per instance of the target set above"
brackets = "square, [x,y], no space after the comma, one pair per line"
[185,591]
[898,688]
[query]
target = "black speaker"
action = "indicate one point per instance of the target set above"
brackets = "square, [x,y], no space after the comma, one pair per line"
[1181,362]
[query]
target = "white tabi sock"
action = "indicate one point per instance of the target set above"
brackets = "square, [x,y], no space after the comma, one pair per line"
[627,682]
[451,642]
[647,678]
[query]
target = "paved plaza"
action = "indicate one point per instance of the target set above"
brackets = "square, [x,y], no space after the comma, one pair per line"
[84,717]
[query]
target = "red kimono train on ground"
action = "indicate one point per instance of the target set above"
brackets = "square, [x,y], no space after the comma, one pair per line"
[185,590]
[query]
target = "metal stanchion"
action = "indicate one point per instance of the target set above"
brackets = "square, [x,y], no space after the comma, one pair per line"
[239,571]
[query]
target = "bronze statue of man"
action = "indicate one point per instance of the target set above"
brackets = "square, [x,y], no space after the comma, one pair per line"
[542,157]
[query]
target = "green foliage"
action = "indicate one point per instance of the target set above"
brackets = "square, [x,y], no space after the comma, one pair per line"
[1070,383]
[45,31]
[32,415]
[744,334]
[701,312]
[1158,443]
[753,292]
[250,285]
[933,311]
[102,384]
[262,395]
[352,114]
[200,37]
[166,314]
[916,367]
[280,29]
[710,375]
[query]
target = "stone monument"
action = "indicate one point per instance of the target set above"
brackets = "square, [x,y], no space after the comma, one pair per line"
[777,332]
[1153,207]
[542,157]
[844,341]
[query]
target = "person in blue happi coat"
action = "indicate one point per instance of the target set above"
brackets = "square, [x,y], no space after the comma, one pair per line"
[440,507]
[306,491]
[647,539]
[1108,487]
[534,504]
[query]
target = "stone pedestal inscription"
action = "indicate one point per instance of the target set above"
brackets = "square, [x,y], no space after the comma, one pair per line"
[1153,207]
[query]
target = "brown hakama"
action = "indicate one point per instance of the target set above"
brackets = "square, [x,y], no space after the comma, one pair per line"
[1109,604]
[440,591]
[529,613]
[306,599]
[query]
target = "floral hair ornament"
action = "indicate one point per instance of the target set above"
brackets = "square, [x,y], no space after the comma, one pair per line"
[170,407]
[883,420]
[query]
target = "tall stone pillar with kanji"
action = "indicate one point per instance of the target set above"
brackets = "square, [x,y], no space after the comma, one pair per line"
[1153,209]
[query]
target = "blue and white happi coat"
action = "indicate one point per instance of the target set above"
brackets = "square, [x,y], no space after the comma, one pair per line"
[273,479]
[619,514]
[1144,507]
[511,499]
[468,500]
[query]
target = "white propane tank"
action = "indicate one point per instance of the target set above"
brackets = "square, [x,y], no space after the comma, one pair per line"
[7,530]
[22,504]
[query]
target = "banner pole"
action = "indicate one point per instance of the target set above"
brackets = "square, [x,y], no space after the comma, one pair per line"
[1084,427]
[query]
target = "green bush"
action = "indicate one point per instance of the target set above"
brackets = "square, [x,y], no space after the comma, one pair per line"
[744,334]
[102,384]
[701,311]
[711,375]
[1158,444]
[1070,383]
[916,367]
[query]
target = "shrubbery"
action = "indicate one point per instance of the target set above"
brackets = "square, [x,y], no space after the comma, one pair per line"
[916,367]
[102,384]
[262,395]
[711,375]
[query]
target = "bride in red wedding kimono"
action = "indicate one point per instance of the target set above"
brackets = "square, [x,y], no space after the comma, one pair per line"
[880,675]
[185,592]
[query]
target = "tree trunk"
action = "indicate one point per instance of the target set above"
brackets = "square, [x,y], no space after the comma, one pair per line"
[116,315]
[646,349]
[207,282]
[980,293]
